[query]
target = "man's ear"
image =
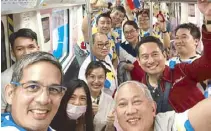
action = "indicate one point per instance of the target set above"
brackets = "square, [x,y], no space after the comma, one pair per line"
[13,57]
[138,30]
[137,58]
[154,107]
[164,54]
[196,42]
[38,47]
[12,53]
[9,93]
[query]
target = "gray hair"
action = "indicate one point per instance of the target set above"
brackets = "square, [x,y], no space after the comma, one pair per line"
[142,86]
[31,59]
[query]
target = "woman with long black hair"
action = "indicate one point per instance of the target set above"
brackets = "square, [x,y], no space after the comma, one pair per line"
[75,111]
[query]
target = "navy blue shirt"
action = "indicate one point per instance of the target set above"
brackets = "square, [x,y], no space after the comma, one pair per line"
[128,47]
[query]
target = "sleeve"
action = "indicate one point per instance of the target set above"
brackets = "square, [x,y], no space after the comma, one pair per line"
[124,56]
[3,100]
[182,123]
[137,73]
[81,74]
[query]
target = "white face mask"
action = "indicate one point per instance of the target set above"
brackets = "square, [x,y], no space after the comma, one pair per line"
[74,112]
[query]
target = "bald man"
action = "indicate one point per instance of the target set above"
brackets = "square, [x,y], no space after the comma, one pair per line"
[136,111]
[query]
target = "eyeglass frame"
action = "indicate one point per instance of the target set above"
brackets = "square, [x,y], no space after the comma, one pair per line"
[129,32]
[63,89]
[107,45]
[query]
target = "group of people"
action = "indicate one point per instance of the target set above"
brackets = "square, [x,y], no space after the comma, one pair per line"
[157,95]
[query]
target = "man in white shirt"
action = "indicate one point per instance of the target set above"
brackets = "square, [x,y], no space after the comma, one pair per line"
[100,50]
[23,42]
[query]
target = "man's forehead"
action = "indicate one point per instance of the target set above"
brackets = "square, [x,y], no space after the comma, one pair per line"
[143,15]
[183,31]
[149,46]
[129,90]
[101,37]
[105,19]
[27,41]
[117,11]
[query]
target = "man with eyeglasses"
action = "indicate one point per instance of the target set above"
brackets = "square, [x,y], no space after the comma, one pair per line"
[34,93]
[100,50]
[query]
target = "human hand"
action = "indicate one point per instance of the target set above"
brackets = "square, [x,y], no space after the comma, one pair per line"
[110,118]
[161,22]
[205,8]
[94,108]
[129,66]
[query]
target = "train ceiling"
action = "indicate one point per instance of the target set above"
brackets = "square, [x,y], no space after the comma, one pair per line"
[18,6]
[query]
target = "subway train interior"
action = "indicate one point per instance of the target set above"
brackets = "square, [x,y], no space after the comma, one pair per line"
[160,45]
[58,25]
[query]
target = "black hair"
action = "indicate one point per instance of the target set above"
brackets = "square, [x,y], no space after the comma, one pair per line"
[119,8]
[107,15]
[141,12]
[194,30]
[94,65]
[149,39]
[61,121]
[24,32]
[132,23]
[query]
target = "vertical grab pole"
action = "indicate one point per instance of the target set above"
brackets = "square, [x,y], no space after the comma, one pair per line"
[151,17]
[89,17]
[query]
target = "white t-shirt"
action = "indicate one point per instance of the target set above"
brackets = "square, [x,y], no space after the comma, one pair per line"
[171,121]
[106,104]
[178,60]
[6,77]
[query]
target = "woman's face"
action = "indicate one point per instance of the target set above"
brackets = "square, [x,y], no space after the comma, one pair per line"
[143,21]
[78,98]
[96,80]
[131,33]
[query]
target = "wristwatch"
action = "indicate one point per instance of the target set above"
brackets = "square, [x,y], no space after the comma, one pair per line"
[164,31]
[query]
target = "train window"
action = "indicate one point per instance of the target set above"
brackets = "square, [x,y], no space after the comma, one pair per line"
[3,49]
[46,29]
[60,26]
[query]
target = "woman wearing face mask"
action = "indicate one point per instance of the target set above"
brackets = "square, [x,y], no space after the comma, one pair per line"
[75,111]
[102,104]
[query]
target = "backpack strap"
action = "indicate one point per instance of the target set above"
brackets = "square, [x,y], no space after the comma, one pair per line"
[166,106]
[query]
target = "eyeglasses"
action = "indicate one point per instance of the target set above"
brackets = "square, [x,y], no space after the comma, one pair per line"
[101,46]
[129,32]
[36,88]
[145,19]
